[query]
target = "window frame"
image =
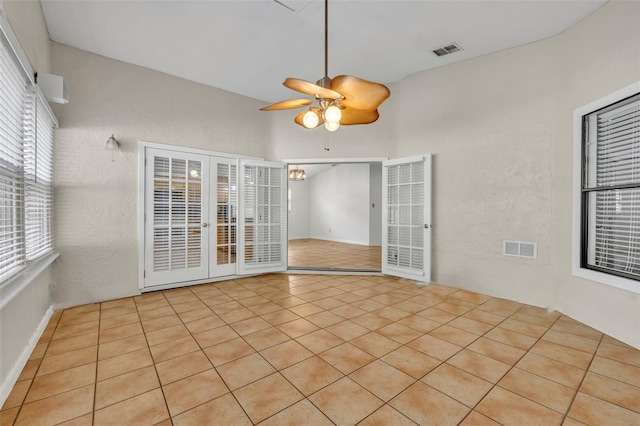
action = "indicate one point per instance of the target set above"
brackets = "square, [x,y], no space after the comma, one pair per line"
[12,278]
[579,214]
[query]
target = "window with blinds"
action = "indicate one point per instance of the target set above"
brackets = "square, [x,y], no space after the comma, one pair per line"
[38,179]
[611,189]
[26,169]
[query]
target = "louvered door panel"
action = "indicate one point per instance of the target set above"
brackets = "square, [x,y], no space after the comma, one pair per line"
[224,211]
[176,215]
[263,217]
[406,230]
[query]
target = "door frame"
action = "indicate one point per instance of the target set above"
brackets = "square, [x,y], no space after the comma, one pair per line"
[142,148]
[341,160]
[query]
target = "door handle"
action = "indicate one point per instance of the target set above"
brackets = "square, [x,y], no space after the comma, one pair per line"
[204,225]
[426,226]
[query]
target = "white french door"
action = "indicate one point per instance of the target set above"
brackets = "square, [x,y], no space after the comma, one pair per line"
[224,212]
[176,214]
[406,217]
[262,237]
[208,217]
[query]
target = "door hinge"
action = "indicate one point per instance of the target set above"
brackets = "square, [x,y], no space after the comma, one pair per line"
[144,274]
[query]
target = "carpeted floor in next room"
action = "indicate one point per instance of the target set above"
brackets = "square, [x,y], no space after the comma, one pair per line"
[322,350]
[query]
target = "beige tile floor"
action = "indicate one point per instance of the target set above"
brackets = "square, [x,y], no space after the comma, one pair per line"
[313,253]
[322,350]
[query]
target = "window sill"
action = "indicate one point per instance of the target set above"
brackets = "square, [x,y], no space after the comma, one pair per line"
[10,289]
[607,279]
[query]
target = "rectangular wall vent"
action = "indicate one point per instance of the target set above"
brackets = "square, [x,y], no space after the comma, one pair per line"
[453,47]
[520,249]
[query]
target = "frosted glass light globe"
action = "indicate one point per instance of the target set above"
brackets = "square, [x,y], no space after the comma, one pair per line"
[310,119]
[331,126]
[332,114]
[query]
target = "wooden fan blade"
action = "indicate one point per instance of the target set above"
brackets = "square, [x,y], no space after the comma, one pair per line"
[352,116]
[288,104]
[298,118]
[308,88]
[360,94]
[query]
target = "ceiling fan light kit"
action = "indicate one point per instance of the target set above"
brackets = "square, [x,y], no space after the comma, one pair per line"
[344,100]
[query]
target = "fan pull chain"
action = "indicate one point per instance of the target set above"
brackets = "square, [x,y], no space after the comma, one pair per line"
[326,142]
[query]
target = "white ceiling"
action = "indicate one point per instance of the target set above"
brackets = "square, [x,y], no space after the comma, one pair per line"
[250,46]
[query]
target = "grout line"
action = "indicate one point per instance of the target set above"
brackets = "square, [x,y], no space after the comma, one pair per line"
[153,361]
[95,380]
[575,395]
[260,288]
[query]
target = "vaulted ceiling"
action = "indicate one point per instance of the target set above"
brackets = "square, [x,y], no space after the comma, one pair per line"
[249,46]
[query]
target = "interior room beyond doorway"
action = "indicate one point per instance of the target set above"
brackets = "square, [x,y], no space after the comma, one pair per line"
[335,216]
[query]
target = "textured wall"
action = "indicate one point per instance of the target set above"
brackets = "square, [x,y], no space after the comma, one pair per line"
[500,129]
[96,198]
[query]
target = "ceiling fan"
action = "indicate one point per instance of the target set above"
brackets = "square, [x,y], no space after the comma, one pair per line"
[344,100]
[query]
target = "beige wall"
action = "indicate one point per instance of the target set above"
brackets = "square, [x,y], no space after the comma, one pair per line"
[500,129]
[96,191]
[27,20]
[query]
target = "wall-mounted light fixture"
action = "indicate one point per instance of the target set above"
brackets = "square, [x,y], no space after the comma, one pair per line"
[112,144]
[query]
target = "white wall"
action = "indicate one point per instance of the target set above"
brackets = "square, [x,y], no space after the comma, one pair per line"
[298,225]
[22,321]
[96,190]
[500,129]
[375,204]
[339,208]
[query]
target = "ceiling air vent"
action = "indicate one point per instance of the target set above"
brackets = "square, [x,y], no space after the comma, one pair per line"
[447,49]
[520,249]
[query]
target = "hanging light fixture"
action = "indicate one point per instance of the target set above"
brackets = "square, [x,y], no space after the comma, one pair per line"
[344,100]
[297,174]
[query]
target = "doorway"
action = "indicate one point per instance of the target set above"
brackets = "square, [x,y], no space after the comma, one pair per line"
[335,215]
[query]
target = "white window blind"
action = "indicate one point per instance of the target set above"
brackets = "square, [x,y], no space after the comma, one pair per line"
[26,168]
[38,178]
[611,189]
[12,109]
